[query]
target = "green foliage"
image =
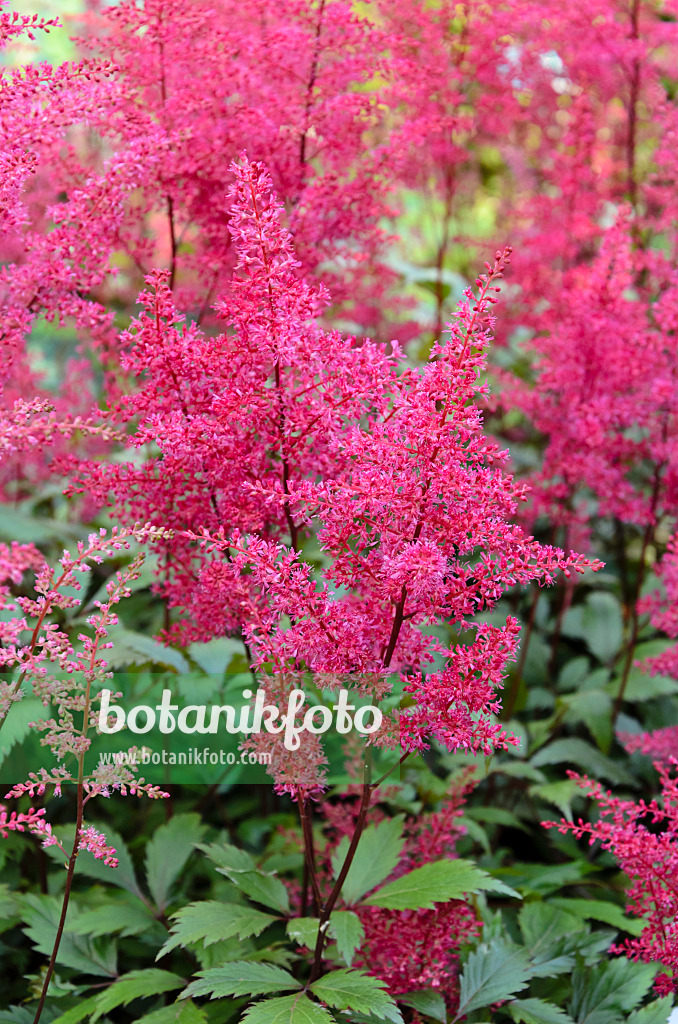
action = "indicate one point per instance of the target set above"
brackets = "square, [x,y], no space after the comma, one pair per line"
[492,972]
[427,1002]
[347,931]
[241,978]
[209,922]
[167,853]
[354,990]
[296,1009]
[377,855]
[437,882]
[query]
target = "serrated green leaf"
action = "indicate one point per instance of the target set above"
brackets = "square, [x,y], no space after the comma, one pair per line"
[265,889]
[8,908]
[185,1012]
[241,978]
[240,868]
[601,993]
[657,1012]
[304,930]
[166,854]
[560,794]
[135,985]
[126,918]
[437,882]
[347,931]
[77,1013]
[601,910]
[16,725]
[428,1002]
[209,921]
[542,924]
[536,1011]
[355,990]
[295,1009]
[583,755]
[377,855]
[131,648]
[543,879]
[593,709]
[41,916]
[493,971]
[231,858]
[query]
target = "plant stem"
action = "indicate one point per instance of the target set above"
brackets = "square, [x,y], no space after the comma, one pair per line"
[309,852]
[328,907]
[67,889]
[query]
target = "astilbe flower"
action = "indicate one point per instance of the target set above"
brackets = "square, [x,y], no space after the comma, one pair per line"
[276,431]
[38,104]
[146,184]
[643,837]
[603,394]
[40,653]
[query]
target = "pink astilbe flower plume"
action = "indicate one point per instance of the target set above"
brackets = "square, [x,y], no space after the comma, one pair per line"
[643,837]
[276,432]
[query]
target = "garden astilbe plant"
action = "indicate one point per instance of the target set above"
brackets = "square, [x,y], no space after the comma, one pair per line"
[67,678]
[643,838]
[275,433]
[328,512]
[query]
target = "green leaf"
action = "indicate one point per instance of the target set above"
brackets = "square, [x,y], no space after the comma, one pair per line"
[583,755]
[8,908]
[131,648]
[560,794]
[295,1009]
[166,854]
[135,985]
[657,1012]
[126,918]
[347,931]
[493,971]
[437,882]
[231,858]
[428,1002]
[265,889]
[241,978]
[536,1011]
[304,930]
[593,709]
[210,921]
[185,1012]
[601,910]
[542,879]
[17,723]
[496,816]
[77,1013]
[262,886]
[640,686]
[598,622]
[599,994]
[377,855]
[41,916]
[541,923]
[214,656]
[355,990]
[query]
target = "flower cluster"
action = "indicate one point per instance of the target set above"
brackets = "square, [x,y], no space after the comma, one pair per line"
[643,836]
